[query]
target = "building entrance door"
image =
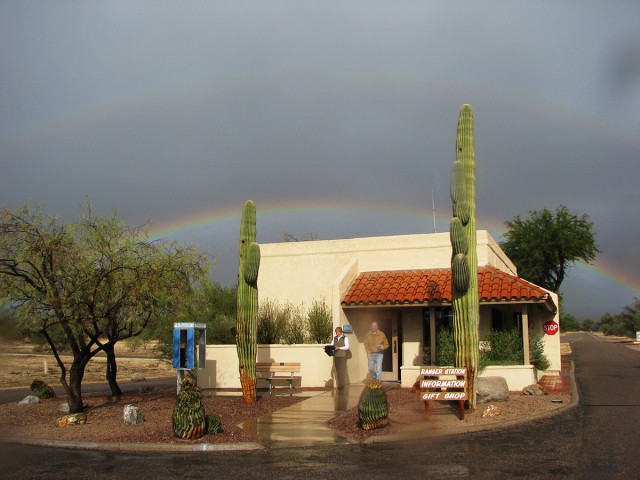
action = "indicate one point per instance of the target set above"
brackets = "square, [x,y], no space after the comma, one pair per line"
[389,325]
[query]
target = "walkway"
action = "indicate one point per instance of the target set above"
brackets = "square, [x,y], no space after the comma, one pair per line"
[302,424]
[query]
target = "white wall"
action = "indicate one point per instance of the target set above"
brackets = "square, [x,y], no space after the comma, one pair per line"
[301,272]
[221,366]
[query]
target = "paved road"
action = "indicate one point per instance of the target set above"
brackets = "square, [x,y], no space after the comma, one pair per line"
[597,440]
[17,394]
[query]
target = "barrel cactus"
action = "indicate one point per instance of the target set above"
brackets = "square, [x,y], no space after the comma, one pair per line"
[373,409]
[189,421]
[246,321]
[464,259]
[212,424]
[42,390]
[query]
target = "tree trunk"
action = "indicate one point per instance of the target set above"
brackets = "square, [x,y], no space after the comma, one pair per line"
[112,370]
[74,386]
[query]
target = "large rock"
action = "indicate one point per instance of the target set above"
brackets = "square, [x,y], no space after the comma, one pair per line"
[492,389]
[63,407]
[29,400]
[72,419]
[534,390]
[137,377]
[132,415]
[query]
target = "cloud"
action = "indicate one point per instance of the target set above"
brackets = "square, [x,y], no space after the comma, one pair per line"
[168,110]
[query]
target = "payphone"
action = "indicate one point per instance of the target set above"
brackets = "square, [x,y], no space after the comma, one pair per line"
[189,348]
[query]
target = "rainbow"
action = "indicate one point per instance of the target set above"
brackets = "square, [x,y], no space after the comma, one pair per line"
[227,87]
[226,219]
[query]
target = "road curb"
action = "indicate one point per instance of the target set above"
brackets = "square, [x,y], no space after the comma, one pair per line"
[135,447]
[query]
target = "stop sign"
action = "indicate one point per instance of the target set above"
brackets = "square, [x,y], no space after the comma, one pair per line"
[551,327]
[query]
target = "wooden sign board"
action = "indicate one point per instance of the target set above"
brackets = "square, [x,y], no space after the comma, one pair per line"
[424,371]
[440,396]
[443,384]
[433,383]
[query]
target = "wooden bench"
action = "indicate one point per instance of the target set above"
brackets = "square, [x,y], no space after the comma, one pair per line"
[276,372]
[443,384]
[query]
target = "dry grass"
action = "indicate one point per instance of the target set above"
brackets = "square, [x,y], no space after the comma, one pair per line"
[20,365]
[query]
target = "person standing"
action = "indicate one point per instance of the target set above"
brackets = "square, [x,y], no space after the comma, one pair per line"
[341,344]
[375,343]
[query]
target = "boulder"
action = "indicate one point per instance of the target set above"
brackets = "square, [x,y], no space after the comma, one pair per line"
[72,419]
[138,377]
[29,400]
[492,389]
[534,390]
[132,415]
[491,411]
[64,408]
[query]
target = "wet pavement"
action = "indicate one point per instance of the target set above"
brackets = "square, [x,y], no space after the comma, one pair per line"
[302,424]
[594,441]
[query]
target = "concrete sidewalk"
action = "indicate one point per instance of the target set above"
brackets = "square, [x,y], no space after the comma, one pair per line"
[302,424]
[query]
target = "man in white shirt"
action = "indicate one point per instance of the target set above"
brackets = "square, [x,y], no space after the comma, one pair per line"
[341,344]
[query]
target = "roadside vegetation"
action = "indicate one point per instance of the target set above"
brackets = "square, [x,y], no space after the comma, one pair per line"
[497,348]
[623,324]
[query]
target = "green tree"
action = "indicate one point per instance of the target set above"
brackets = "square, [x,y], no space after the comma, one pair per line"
[624,324]
[86,285]
[545,244]
[569,323]
[210,304]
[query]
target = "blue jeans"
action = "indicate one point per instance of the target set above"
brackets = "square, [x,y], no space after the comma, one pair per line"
[375,365]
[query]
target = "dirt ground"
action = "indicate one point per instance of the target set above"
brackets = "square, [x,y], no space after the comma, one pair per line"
[105,418]
[20,365]
[406,413]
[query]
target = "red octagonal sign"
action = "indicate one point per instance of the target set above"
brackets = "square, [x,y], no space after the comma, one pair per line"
[551,327]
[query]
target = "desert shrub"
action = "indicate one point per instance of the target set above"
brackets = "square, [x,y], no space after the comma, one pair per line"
[296,328]
[445,347]
[505,348]
[536,351]
[272,322]
[320,322]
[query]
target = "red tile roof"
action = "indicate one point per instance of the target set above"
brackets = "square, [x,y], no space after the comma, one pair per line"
[406,287]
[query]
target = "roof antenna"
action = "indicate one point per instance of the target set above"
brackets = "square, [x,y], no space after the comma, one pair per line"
[433,206]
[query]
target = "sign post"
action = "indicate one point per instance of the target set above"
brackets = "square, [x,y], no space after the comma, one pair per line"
[443,384]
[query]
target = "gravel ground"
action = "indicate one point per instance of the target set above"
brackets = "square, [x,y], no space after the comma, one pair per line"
[105,418]
[406,412]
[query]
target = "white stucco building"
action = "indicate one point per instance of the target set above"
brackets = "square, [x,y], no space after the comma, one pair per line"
[403,283]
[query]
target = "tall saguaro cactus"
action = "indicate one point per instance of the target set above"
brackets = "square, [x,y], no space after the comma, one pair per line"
[246,321]
[464,259]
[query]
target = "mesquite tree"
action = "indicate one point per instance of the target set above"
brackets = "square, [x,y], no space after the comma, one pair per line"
[246,320]
[464,259]
[86,285]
